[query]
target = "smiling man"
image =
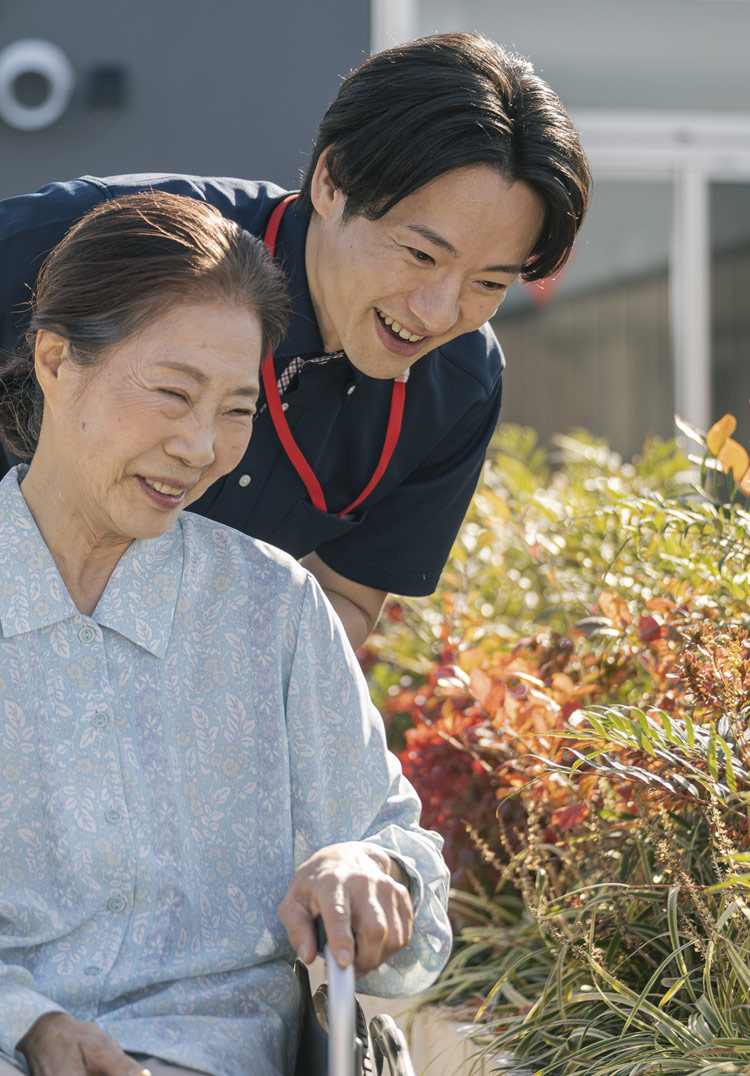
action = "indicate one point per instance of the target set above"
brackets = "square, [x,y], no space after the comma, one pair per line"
[444,170]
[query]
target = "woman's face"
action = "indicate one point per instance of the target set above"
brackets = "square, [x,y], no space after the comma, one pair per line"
[168,412]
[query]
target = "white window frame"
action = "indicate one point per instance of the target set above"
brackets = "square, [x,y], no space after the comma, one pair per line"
[690,150]
[392,22]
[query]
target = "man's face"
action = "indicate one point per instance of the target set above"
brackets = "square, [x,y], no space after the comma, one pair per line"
[435,266]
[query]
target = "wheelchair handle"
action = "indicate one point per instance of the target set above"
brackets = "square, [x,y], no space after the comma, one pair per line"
[341,1018]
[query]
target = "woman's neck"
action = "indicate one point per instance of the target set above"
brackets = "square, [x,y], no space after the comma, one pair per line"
[84,559]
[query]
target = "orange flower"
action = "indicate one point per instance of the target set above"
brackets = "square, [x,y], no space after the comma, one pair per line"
[729,453]
[733,457]
[719,433]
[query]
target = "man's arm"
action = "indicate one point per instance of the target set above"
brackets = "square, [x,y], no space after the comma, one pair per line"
[358,606]
[30,226]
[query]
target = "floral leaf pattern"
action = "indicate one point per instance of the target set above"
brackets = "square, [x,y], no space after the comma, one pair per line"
[165,765]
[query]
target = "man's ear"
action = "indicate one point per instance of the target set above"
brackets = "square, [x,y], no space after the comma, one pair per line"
[326,197]
[51,352]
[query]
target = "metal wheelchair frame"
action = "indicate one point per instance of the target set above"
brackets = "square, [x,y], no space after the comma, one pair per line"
[335,1038]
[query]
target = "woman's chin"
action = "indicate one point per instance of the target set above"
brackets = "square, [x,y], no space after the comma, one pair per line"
[143,526]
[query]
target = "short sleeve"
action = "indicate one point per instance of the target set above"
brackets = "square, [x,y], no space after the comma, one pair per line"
[404,541]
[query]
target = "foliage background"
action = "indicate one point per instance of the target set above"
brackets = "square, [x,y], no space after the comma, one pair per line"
[571,706]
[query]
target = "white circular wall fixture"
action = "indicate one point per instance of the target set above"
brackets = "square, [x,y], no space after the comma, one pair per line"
[42,68]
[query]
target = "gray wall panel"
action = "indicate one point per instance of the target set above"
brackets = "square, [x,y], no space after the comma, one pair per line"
[224,88]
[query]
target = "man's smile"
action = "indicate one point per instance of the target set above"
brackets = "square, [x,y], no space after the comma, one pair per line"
[399,330]
[398,340]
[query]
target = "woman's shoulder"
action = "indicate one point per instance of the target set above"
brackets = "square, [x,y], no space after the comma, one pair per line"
[209,542]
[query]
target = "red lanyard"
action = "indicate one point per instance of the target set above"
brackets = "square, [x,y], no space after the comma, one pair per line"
[292,449]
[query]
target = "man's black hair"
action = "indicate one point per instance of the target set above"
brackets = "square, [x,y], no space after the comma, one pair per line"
[412,113]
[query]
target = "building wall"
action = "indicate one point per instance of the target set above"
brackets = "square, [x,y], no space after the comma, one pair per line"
[599,359]
[232,87]
[731,337]
[669,54]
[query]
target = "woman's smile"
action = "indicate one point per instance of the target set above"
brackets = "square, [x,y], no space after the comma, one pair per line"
[164,494]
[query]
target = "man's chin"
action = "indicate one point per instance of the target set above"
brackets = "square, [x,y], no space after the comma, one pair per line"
[382,367]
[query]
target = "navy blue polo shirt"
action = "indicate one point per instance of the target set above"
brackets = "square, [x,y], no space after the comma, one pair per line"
[398,539]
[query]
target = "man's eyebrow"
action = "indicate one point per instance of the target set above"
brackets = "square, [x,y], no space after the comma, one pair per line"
[201,378]
[433,237]
[444,244]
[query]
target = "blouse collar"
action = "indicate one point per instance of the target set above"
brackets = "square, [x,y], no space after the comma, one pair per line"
[138,602]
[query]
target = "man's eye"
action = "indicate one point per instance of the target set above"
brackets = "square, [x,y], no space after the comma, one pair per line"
[419,255]
[242,412]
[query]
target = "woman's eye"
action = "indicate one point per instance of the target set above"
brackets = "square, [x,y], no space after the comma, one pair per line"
[175,394]
[492,285]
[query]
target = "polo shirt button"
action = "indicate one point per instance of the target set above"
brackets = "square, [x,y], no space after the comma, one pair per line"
[92,969]
[244,480]
[285,406]
[116,904]
[100,720]
[350,390]
[113,817]
[86,634]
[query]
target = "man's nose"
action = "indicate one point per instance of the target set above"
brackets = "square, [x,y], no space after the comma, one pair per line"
[437,306]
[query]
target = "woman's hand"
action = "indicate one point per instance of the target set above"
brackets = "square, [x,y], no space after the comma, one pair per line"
[58,1044]
[362,895]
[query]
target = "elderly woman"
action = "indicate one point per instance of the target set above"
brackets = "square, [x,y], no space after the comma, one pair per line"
[190,767]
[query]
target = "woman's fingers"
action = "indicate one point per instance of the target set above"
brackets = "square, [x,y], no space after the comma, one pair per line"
[366,912]
[382,919]
[58,1043]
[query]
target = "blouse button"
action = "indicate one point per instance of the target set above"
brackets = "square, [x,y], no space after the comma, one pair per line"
[100,720]
[116,904]
[86,634]
[113,816]
[244,480]
[92,969]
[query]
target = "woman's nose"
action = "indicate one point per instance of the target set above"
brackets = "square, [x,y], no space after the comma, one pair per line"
[193,442]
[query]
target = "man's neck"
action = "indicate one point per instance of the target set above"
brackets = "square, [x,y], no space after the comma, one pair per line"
[314,252]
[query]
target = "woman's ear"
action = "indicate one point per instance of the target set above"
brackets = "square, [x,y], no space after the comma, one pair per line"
[51,352]
[324,194]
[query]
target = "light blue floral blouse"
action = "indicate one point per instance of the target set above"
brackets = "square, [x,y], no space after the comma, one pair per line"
[165,765]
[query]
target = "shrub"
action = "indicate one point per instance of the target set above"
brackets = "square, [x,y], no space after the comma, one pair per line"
[572,705]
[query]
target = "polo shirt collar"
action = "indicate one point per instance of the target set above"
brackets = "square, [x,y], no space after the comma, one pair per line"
[139,600]
[303,337]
